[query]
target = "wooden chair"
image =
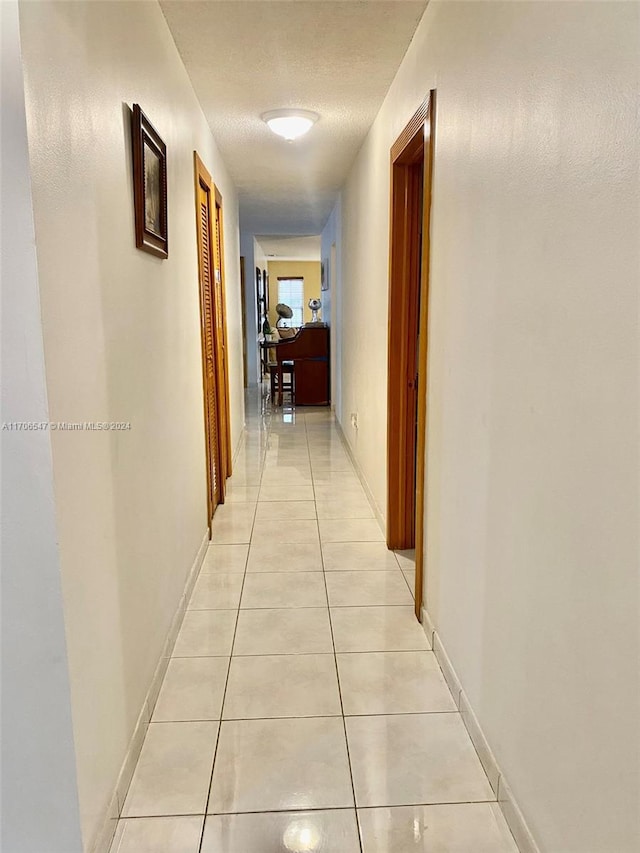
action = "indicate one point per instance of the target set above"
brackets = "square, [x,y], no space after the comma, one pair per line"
[278,382]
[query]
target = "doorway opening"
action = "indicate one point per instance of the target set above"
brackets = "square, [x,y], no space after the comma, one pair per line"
[411,168]
[215,375]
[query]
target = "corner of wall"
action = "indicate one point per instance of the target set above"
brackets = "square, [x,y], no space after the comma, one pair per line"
[38,750]
[503,793]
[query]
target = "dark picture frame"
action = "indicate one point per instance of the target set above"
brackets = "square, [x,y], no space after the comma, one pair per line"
[259,298]
[149,185]
[265,290]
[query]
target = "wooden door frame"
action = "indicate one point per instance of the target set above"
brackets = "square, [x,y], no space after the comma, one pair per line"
[203,178]
[224,368]
[411,160]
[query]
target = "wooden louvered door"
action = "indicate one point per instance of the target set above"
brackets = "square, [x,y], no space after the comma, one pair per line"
[212,397]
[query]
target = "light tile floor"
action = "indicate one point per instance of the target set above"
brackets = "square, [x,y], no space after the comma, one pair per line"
[302,710]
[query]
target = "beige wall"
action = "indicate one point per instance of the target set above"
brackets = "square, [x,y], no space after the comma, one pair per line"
[309,270]
[532,487]
[122,343]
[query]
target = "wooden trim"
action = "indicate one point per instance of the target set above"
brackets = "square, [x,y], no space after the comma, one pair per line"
[404,283]
[417,121]
[423,354]
[290,278]
[201,170]
[411,158]
[225,348]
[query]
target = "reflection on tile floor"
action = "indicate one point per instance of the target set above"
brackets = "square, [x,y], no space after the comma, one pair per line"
[302,710]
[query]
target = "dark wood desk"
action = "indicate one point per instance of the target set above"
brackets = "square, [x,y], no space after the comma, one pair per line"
[309,349]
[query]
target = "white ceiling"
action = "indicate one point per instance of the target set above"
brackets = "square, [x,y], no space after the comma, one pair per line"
[335,57]
[291,248]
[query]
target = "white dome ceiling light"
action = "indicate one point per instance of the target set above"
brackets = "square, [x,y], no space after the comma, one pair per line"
[290,124]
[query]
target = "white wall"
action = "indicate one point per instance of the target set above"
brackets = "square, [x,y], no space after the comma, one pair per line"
[39,795]
[532,511]
[122,343]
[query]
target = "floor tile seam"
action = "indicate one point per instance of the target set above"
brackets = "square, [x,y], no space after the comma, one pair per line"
[226,683]
[411,589]
[284,607]
[304,654]
[285,811]
[228,667]
[291,607]
[356,808]
[263,719]
[422,804]
[271,541]
[284,571]
[360,571]
[215,749]
[160,816]
[343,606]
[370,714]
[335,659]
[397,652]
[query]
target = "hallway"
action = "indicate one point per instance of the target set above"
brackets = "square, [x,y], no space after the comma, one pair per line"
[300,636]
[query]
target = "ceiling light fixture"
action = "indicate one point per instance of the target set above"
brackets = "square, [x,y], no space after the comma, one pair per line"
[290,124]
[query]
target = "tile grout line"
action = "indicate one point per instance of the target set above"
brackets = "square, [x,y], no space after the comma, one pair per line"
[315,809]
[335,660]
[306,716]
[226,683]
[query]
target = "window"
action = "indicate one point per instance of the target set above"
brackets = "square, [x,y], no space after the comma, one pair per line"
[291,292]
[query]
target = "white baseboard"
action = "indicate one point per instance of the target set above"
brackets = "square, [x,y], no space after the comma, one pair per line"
[239,444]
[110,822]
[447,669]
[374,506]
[427,625]
[516,822]
[504,795]
[487,758]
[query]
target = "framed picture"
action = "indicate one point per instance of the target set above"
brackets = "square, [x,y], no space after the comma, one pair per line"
[265,290]
[324,274]
[259,298]
[149,185]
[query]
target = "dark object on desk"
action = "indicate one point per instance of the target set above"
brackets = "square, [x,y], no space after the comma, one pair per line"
[284,312]
[309,350]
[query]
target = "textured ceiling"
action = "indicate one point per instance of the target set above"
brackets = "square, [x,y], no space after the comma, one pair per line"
[291,248]
[335,57]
